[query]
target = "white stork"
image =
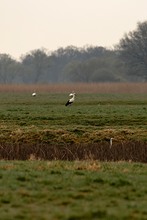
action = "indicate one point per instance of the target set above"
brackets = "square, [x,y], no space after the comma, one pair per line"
[71,100]
[34,94]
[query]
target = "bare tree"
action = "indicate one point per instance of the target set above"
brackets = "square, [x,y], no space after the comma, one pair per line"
[133,50]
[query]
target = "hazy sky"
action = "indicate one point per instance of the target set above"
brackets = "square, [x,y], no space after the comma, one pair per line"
[27,25]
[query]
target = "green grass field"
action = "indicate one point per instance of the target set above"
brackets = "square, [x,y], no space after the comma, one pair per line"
[71,190]
[24,115]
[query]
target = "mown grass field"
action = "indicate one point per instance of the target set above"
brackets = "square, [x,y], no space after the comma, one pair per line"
[22,114]
[72,182]
[59,190]
[93,118]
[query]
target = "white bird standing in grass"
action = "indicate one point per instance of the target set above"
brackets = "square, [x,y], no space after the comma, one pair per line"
[71,100]
[111,142]
[34,94]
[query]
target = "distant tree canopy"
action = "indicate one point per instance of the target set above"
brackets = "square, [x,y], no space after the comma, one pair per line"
[126,62]
[133,51]
[9,69]
[35,65]
[70,64]
[104,68]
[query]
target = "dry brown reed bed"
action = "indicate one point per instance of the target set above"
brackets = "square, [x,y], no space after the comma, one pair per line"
[128,151]
[137,88]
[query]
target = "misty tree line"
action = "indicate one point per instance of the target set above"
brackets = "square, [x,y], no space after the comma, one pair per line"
[126,62]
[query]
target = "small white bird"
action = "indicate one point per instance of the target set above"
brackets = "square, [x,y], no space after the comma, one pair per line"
[34,94]
[111,142]
[71,100]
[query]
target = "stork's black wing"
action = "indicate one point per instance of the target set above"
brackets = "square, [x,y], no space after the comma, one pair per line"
[68,103]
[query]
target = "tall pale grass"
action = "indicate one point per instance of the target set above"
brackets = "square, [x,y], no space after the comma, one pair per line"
[78,87]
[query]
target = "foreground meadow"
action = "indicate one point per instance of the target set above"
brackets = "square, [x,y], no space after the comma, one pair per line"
[45,190]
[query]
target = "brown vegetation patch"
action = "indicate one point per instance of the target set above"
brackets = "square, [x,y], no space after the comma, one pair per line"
[130,88]
[126,151]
